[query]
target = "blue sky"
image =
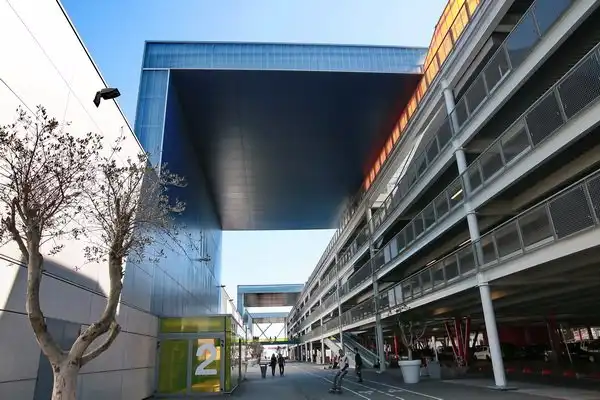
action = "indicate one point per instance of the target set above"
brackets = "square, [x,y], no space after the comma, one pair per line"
[115,30]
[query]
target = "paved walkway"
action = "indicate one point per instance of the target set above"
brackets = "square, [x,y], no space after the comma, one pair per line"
[310,382]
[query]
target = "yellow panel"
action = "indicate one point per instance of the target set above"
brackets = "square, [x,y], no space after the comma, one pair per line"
[193,324]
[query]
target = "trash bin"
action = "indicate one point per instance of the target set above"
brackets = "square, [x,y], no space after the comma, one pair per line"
[263,370]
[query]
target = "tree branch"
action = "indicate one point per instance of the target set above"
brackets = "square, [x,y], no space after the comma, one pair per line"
[113,332]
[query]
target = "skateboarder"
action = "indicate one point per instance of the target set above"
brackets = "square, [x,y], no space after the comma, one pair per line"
[339,377]
[281,363]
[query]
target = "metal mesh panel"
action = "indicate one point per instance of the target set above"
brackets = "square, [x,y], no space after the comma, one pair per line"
[521,40]
[570,212]
[491,161]
[507,239]
[544,118]
[580,87]
[593,186]
[515,142]
[535,226]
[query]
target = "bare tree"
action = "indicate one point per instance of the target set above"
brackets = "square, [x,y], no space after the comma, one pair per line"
[256,349]
[57,186]
[410,332]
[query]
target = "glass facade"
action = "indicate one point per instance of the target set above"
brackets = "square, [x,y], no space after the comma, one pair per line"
[184,283]
[266,56]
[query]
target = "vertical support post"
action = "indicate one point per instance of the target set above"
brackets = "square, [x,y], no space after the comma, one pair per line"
[378,327]
[492,331]
[339,300]
[311,351]
[461,163]
[322,352]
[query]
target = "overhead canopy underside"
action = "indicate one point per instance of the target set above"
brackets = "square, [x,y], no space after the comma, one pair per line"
[285,149]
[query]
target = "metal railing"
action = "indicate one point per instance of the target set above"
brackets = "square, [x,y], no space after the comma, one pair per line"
[543,224]
[526,34]
[574,210]
[540,16]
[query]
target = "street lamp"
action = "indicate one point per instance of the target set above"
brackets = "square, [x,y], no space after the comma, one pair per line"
[106,94]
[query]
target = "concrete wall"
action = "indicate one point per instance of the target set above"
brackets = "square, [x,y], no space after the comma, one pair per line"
[43,62]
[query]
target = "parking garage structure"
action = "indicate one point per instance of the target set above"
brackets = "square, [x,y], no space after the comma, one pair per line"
[493,220]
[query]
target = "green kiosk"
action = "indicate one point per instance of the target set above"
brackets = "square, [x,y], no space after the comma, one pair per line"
[199,355]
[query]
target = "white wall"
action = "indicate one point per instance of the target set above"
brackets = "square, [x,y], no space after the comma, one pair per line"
[43,62]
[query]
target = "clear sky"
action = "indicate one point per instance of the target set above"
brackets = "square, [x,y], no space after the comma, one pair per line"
[115,30]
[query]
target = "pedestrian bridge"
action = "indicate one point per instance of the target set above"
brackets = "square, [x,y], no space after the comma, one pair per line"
[278,340]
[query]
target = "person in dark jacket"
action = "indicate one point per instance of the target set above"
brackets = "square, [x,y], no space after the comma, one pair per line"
[281,362]
[273,363]
[358,363]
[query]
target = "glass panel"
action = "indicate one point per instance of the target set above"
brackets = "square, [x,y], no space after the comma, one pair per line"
[444,134]
[418,224]
[426,279]
[594,190]
[429,216]
[491,161]
[456,194]
[507,239]
[474,177]
[514,142]
[432,151]
[476,94]
[496,69]
[535,226]
[451,267]
[438,275]
[461,112]
[441,205]
[466,260]
[173,366]
[521,40]
[547,12]
[488,248]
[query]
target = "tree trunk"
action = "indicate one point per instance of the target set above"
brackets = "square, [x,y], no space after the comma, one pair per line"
[65,381]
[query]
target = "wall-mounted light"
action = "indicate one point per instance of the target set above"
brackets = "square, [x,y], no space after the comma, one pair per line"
[106,94]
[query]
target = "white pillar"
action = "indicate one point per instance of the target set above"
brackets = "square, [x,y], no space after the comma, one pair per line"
[492,331]
[311,352]
[339,300]
[461,163]
[378,327]
[322,352]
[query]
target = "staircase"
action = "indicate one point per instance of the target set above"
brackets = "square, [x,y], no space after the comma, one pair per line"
[369,358]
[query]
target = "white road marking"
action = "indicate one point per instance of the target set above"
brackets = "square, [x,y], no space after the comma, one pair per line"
[330,381]
[375,389]
[406,390]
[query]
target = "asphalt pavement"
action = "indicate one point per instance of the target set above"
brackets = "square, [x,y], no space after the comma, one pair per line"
[311,382]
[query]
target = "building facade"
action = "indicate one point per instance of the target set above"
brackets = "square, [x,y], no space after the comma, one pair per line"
[498,203]
[45,63]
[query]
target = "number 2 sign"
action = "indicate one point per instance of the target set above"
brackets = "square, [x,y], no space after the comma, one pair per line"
[212,356]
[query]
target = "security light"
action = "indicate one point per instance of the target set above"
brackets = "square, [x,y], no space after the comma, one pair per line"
[106,94]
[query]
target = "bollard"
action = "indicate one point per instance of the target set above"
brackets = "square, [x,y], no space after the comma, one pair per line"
[263,370]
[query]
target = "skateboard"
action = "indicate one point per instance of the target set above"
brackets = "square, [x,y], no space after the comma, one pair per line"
[335,390]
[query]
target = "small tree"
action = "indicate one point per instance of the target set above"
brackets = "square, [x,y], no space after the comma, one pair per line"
[410,332]
[256,349]
[56,186]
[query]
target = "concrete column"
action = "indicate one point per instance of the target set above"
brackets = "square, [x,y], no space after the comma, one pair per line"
[492,332]
[461,163]
[311,352]
[378,327]
[322,352]
[339,300]
[305,352]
